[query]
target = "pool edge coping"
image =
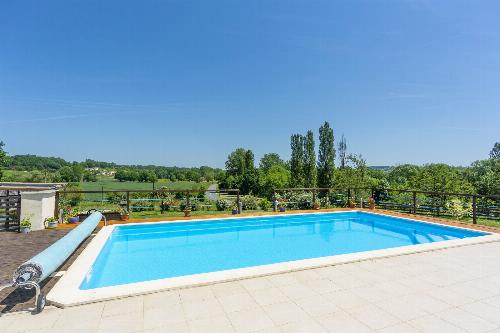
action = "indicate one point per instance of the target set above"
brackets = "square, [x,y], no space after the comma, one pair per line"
[66,291]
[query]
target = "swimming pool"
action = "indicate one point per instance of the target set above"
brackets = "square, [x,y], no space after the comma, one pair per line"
[145,252]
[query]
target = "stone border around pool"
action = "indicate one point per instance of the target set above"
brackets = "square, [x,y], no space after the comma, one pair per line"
[67,293]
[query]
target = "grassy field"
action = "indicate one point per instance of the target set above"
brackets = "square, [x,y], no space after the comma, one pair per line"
[108,183]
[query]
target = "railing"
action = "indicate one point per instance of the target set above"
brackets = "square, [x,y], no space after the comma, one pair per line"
[10,210]
[464,206]
[441,204]
[160,200]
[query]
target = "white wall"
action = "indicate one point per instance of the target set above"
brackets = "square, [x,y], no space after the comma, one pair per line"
[38,206]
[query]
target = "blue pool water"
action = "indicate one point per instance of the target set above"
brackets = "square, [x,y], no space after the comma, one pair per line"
[136,253]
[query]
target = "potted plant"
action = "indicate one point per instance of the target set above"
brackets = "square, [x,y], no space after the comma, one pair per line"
[124,215]
[51,223]
[235,210]
[187,212]
[371,203]
[73,217]
[282,206]
[25,225]
[352,202]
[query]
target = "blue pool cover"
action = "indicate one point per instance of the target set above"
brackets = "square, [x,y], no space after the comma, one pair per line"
[46,262]
[146,252]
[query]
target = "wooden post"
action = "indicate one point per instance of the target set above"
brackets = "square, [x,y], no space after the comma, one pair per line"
[56,206]
[18,211]
[238,201]
[314,197]
[414,202]
[474,209]
[7,211]
[128,202]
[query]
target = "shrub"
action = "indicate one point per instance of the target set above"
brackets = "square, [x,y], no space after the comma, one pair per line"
[223,204]
[458,209]
[265,204]
[249,202]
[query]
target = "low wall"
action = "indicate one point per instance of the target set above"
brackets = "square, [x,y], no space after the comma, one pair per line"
[38,206]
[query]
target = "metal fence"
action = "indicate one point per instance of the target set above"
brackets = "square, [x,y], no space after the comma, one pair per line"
[133,201]
[461,206]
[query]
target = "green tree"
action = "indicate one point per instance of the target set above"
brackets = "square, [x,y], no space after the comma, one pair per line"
[236,162]
[277,176]
[72,173]
[495,151]
[484,175]
[89,176]
[310,171]
[147,176]
[3,158]
[269,160]
[326,156]
[440,178]
[241,172]
[400,175]
[250,177]
[297,161]
[121,175]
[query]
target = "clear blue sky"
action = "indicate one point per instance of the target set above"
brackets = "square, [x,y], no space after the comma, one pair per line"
[185,82]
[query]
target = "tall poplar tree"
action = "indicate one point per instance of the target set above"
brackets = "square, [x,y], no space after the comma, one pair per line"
[297,161]
[310,171]
[342,152]
[326,156]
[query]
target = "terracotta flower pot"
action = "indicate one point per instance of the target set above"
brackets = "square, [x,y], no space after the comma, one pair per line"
[187,213]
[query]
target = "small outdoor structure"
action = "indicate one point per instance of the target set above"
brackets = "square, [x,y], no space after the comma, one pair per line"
[31,273]
[37,206]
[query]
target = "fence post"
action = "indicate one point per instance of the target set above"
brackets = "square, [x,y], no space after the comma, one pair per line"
[128,202]
[18,211]
[474,209]
[238,201]
[7,211]
[56,205]
[314,197]
[414,202]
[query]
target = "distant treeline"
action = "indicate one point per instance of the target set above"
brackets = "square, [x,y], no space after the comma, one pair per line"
[61,170]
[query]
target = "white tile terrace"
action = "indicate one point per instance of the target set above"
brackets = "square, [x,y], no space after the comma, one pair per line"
[447,290]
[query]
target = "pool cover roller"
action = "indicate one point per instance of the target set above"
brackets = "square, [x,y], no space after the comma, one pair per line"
[32,272]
